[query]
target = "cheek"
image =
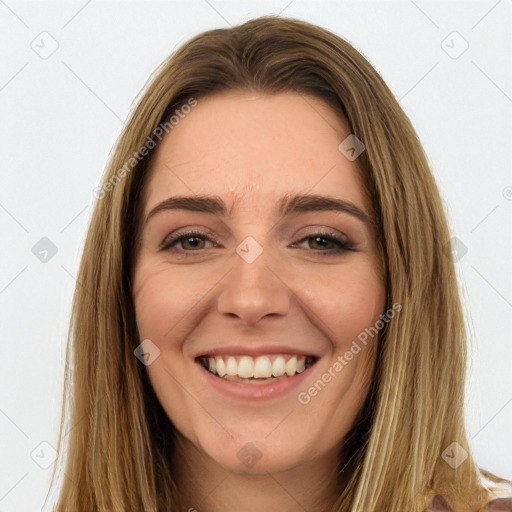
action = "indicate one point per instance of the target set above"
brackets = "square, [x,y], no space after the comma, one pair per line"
[347,300]
[162,299]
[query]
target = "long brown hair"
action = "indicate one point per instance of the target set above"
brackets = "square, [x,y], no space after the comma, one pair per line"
[120,443]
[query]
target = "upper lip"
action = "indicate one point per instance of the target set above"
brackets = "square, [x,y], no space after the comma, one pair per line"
[245,350]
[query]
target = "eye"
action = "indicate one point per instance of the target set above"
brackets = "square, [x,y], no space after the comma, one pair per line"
[319,239]
[195,241]
[190,239]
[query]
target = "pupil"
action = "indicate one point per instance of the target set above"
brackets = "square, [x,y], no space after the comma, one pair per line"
[316,240]
[193,238]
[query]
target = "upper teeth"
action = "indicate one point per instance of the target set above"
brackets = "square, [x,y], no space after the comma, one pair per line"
[259,367]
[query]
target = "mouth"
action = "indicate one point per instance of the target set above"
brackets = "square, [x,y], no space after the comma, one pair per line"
[263,369]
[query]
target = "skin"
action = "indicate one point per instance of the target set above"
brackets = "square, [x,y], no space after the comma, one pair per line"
[252,149]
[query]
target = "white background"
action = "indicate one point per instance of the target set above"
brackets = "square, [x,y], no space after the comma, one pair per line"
[60,116]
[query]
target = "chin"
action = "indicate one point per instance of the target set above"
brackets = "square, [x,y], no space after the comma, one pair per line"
[255,455]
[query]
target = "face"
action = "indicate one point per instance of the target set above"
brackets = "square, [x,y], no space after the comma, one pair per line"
[253,282]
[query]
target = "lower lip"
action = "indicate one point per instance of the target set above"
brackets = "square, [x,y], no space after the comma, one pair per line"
[256,391]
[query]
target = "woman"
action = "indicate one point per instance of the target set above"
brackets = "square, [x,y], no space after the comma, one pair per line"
[265,298]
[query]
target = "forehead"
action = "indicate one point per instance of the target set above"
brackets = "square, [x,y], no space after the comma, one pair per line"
[252,149]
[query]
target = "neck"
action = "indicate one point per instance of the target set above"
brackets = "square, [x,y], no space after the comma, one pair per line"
[205,485]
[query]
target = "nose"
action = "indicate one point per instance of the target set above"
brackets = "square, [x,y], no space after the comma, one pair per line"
[252,291]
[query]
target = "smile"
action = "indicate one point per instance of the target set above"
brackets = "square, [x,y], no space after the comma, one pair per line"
[247,369]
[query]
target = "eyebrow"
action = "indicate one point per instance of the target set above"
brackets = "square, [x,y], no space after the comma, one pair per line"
[288,205]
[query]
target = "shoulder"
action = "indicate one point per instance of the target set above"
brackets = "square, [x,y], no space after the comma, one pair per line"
[499,492]
[499,488]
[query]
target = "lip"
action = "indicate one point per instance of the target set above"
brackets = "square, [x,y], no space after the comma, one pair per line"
[253,392]
[244,350]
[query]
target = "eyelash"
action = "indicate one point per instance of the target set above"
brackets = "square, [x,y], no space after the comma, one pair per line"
[170,243]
